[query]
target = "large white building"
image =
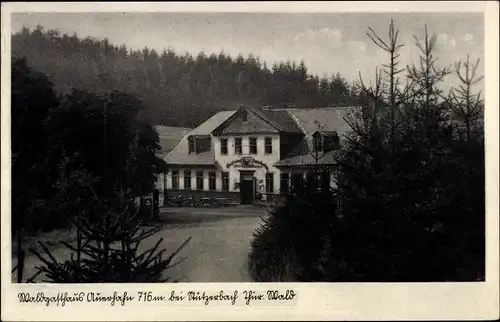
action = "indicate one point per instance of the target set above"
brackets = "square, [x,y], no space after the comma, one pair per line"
[251,154]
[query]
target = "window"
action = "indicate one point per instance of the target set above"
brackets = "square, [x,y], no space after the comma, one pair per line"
[311,178]
[191,144]
[318,143]
[223,146]
[199,180]
[211,181]
[284,184]
[244,116]
[187,179]
[175,179]
[269,145]
[253,146]
[331,142]
[203,144]
[225,181]
[198,144]
[297,181]
[237,146]
[269,182]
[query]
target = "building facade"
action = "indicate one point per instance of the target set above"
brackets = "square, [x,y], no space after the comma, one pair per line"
[249,154]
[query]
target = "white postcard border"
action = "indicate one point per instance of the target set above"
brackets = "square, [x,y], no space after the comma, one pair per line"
[314,301]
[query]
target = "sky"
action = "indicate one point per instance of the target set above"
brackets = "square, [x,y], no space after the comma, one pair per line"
[327,42]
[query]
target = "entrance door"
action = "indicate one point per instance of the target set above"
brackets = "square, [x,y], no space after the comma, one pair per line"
[246,187]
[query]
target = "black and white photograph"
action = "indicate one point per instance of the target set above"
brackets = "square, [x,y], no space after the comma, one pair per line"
[153,147]
[279,159]
[277,150]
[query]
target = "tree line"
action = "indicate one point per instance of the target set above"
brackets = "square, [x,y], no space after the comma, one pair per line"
[176,89]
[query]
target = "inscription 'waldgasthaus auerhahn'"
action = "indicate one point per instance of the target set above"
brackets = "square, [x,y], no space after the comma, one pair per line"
[122,298]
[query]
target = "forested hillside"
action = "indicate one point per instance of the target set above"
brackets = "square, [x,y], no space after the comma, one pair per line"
[176,89]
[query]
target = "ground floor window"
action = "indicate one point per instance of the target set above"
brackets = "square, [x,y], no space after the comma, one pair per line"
[187,179]
[297,181]
[269,182]
[312,178]
[175,179]
[199,180]
[211,181]
[225,181]
[284,183]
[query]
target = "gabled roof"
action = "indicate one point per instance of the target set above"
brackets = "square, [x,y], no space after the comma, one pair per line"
[291,120]
[180,154]
[281,120]
[212,123]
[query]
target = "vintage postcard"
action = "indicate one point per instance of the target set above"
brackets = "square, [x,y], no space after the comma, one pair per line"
[250,161]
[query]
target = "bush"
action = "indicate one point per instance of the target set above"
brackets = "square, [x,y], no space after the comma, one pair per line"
[290,241]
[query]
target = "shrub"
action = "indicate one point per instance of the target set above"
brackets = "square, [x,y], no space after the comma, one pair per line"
[289,243]
[108,248]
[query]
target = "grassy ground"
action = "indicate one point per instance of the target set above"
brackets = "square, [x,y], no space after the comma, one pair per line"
[217,252]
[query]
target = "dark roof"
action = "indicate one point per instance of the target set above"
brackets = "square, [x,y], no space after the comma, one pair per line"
[281,119]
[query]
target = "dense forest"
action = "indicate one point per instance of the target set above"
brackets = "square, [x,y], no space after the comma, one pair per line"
[176,89]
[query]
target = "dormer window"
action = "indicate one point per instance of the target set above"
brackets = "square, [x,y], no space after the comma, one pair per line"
[318,143]
[331,142]
[191,145]
[199,144]
[325,141]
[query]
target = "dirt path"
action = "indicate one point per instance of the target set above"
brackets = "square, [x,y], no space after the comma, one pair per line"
[217,252]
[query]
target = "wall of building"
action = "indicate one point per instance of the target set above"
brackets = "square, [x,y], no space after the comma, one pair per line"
[196,194]
[260,172]
[250,127]
[303,172]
